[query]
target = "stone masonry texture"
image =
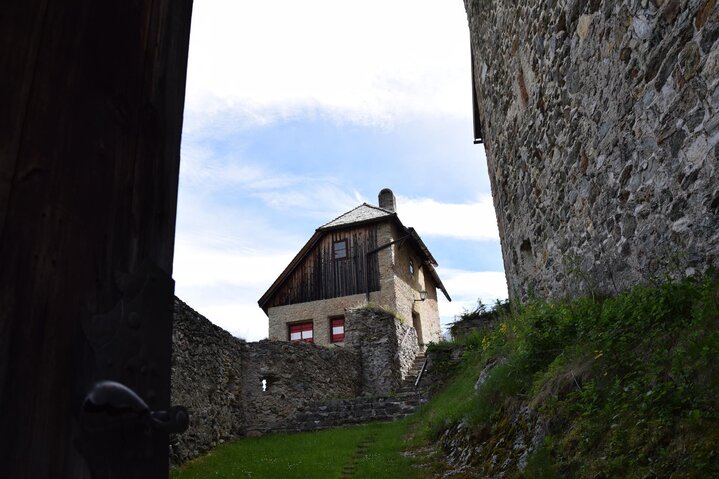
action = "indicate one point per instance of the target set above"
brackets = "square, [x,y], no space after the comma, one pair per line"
[233,388]
[295,374]
[405,290]
[602,139]
[219,379]
[386,346]
[206,379]
[319,312]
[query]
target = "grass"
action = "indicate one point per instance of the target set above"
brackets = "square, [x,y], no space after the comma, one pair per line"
[320,454]
[384,457]
[627,386]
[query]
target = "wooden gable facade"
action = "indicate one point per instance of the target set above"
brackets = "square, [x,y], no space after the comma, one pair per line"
[316,274]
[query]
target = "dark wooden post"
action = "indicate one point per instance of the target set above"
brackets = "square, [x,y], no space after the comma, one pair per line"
[91,101]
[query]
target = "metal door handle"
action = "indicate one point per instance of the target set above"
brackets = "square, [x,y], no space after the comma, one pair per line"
[116,399]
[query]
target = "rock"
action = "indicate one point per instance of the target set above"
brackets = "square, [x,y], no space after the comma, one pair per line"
[484,375]
[585,21]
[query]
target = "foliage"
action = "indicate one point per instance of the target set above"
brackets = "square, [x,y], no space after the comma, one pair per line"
[484,312]
[481,314]
[629,385]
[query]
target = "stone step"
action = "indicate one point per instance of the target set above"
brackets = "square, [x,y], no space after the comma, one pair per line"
[341,412]
[355,411]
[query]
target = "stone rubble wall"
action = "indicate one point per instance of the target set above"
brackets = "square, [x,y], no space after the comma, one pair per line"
[407,347]
[386,347]
[206,379]
[342,412]
[295,374]
[601,129]
[219,379]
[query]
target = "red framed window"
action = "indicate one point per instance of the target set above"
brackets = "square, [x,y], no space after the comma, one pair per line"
[337,329]
[301,332]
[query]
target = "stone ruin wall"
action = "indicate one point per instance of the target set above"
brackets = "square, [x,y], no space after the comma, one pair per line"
[206,379]
[386,347]
[296,375]
[602,138]
[219,377]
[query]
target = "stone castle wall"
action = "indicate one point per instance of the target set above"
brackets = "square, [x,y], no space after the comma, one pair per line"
[601,129]
[206,379]
[295,375]
[219,379]
[233,388]
[386,347]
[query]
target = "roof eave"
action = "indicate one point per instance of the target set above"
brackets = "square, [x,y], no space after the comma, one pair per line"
[289,269]
[379,219]
[438,282]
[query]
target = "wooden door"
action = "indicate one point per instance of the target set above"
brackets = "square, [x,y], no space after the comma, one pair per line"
[91,101]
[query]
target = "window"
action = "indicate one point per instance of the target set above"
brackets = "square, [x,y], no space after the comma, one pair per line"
[411,267]
[339,249]
[337,326]
[301,332]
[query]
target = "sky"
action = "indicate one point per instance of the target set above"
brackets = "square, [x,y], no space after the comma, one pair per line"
[297,112]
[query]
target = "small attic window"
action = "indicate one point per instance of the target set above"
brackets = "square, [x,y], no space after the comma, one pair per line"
[339,249]
[411,267]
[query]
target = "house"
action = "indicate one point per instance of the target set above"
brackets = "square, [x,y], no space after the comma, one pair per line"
[365,255]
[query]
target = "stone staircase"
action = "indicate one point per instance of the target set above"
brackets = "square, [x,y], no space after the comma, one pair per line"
[411,378]
[341,412]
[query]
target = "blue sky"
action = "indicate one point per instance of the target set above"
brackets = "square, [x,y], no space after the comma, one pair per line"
[299,111]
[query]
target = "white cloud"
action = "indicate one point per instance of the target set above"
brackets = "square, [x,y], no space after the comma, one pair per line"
[318,198]
[468,221]
[204,173]
[255,63]
[241,319]
[196,265]
[368,62]
[466,287]
[224,280]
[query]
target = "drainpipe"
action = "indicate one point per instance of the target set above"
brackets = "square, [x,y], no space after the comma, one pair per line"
[374,251]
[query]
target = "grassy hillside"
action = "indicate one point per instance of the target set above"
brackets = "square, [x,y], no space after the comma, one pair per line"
[618,387]
[592,388]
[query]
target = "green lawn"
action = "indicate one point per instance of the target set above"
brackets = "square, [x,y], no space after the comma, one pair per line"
[321,454]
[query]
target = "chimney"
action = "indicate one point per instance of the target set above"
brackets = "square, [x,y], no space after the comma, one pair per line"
[387,200]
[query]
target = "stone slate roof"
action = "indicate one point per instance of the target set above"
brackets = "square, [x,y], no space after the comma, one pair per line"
[362,213]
